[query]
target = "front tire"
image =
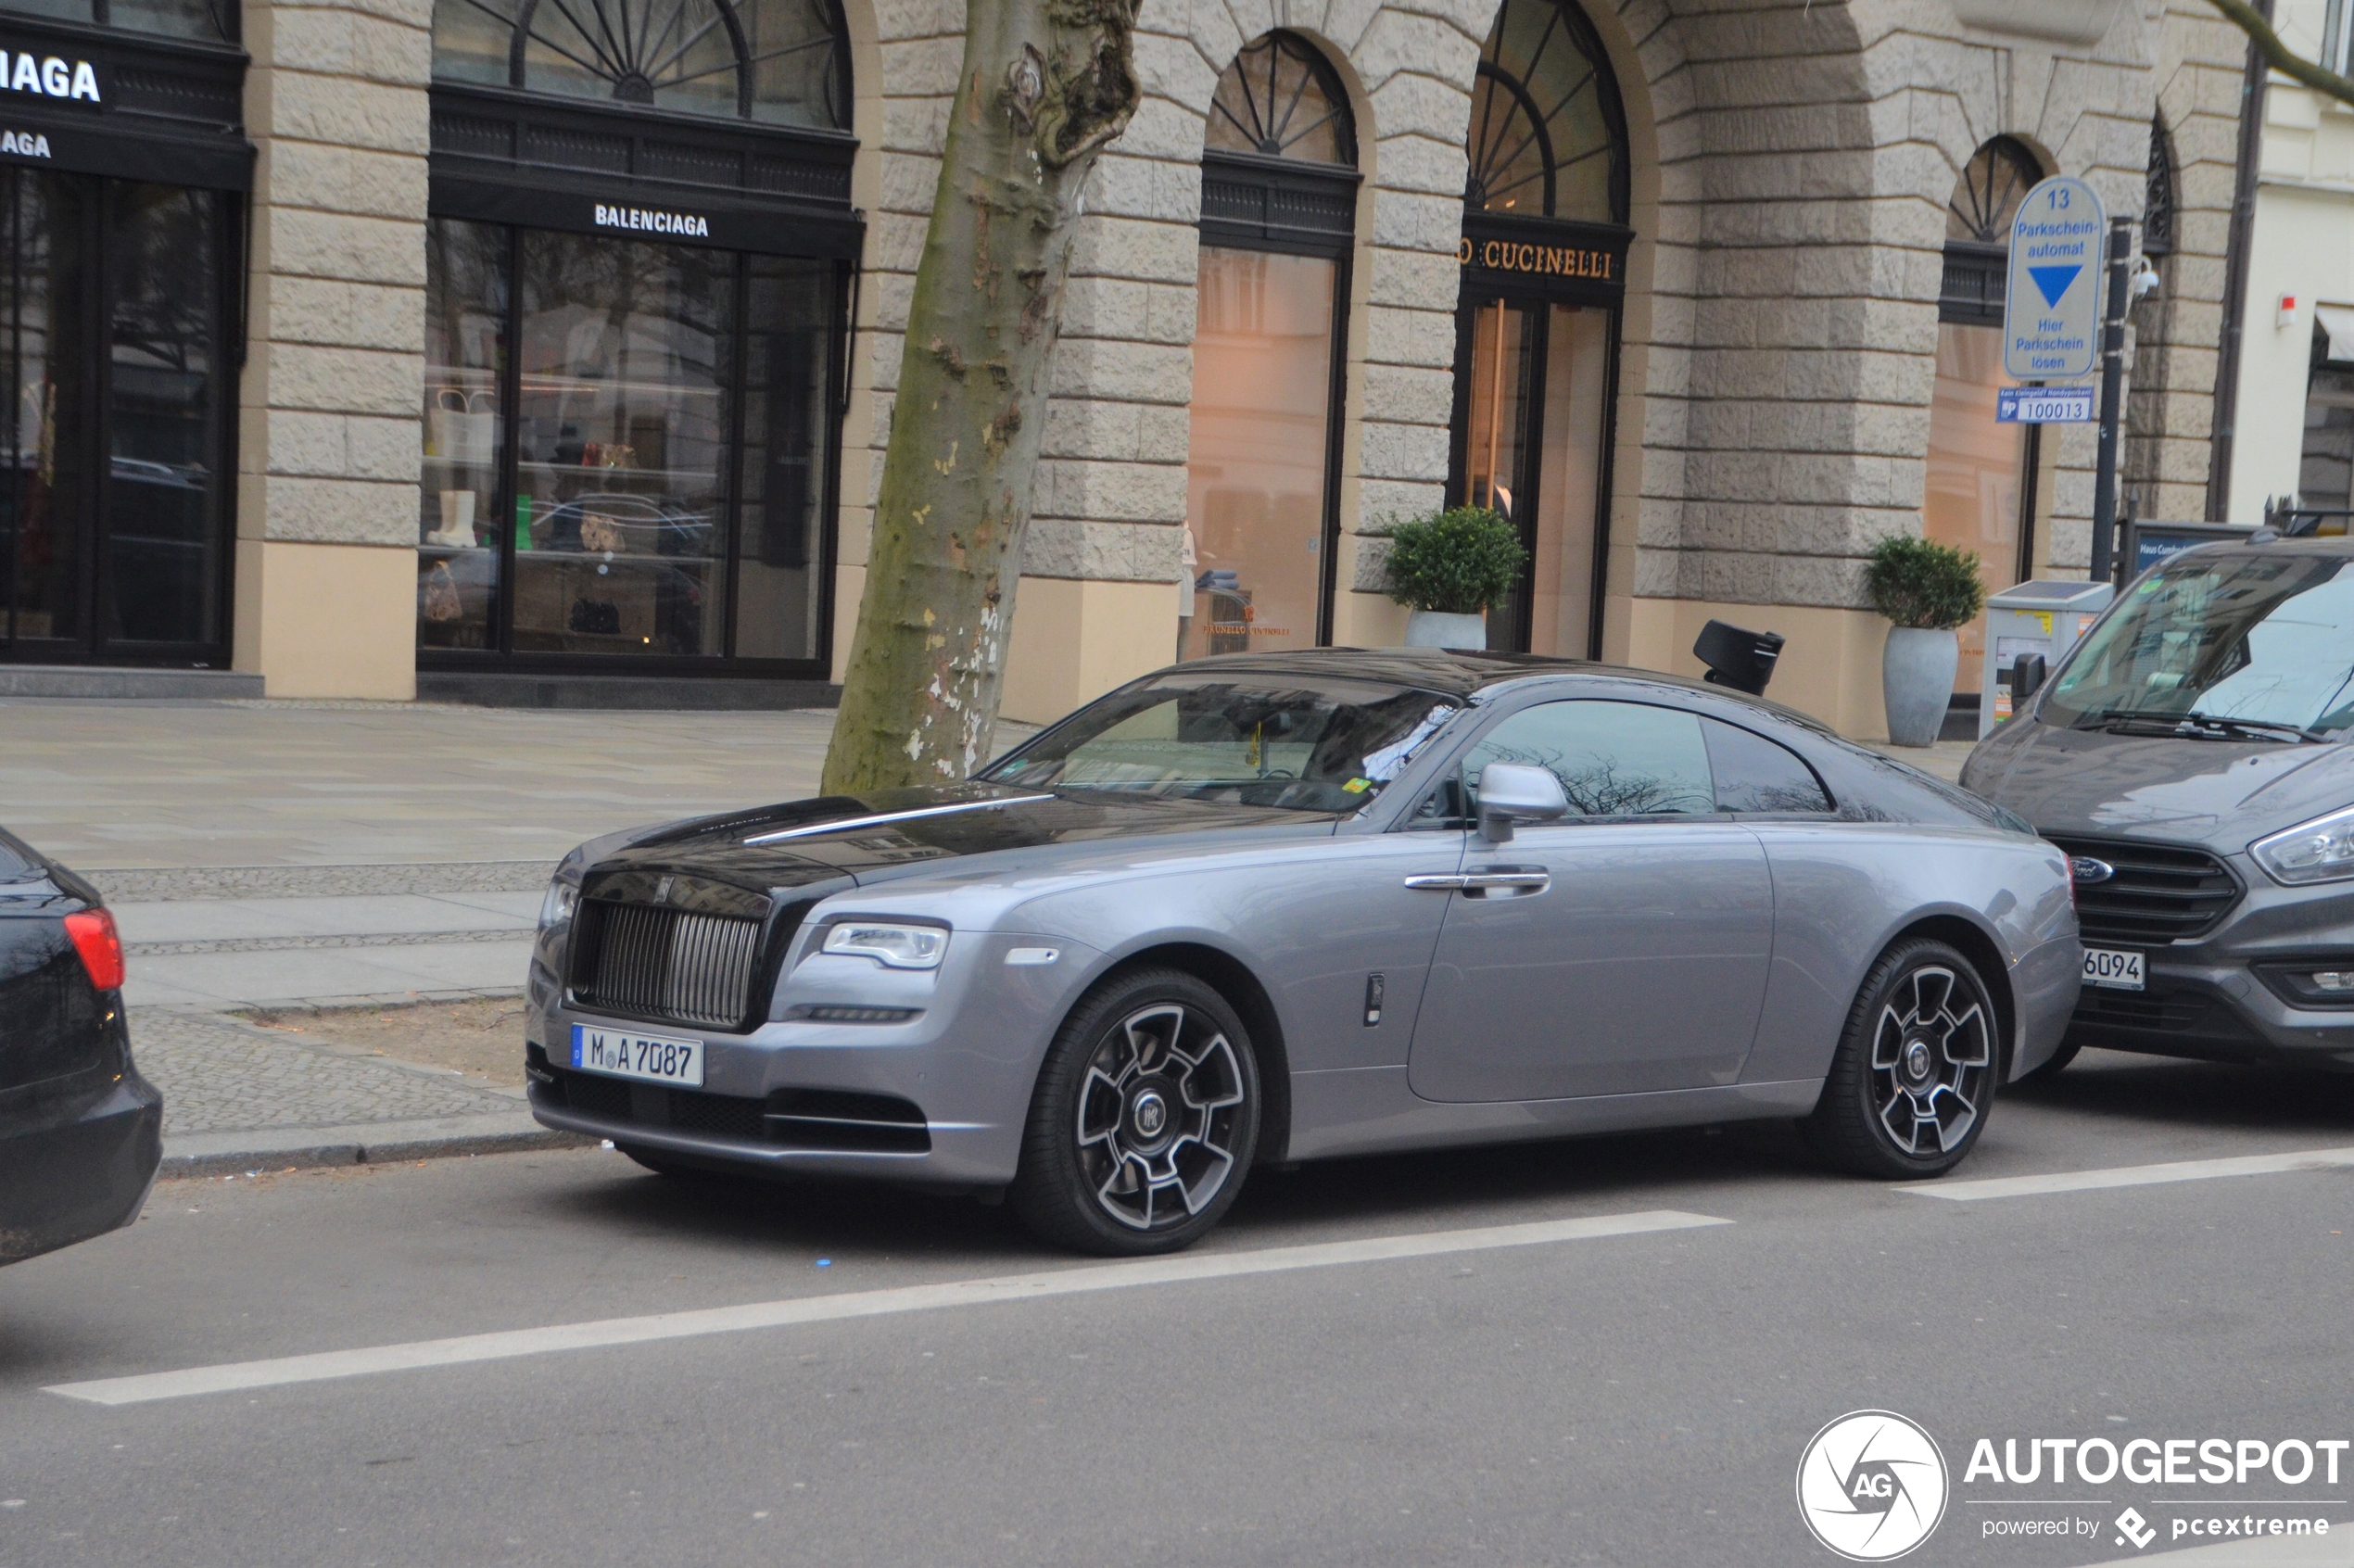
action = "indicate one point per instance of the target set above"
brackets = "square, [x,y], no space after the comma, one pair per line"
[1144,1121]
[1908,1093]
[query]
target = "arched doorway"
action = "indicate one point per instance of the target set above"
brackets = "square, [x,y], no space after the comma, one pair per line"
[1981,488]
[1278,205]
[1544,262]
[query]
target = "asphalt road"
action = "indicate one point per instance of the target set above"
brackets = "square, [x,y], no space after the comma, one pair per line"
[1630,1399]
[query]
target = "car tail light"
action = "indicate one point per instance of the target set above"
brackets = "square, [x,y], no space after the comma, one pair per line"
[94,938]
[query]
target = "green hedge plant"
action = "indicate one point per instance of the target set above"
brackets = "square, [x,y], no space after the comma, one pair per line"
[1458,561]
[1922,584]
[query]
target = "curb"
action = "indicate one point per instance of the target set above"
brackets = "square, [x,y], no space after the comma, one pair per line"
[273,1150]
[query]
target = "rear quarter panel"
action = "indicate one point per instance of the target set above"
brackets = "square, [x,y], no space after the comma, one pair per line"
[1844,891]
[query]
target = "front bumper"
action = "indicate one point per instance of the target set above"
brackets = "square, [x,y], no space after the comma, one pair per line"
[938,1101]
[76,1161]
[2212,1011]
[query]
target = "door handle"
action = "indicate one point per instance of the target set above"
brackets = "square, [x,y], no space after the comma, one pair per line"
[1518,883]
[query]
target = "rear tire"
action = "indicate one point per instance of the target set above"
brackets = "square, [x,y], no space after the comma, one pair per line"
[1144,1121]
[1915,1077]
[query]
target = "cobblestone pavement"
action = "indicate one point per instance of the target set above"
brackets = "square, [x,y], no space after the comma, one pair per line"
[220,1074]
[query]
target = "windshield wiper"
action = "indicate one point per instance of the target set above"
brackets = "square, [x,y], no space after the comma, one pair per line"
[2257,726]
[2196,726]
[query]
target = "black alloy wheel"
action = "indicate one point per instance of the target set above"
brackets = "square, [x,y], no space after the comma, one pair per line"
[1145,1120]
[1909,1090]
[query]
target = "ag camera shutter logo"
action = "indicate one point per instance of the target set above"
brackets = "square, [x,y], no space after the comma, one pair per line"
[1872,1485]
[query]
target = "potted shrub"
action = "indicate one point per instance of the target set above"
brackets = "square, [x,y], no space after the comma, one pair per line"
[1927,589]
[1447,568]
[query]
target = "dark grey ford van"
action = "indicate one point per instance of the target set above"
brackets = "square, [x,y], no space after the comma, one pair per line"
[2191,756]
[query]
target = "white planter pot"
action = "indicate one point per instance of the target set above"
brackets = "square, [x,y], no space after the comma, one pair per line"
[1438,628]
[1917,681]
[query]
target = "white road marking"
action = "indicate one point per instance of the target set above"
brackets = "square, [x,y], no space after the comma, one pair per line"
[1180,1269]
[2132,1175]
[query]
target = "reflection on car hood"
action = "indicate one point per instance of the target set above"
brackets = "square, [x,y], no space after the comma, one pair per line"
[2223,793]
[899,832]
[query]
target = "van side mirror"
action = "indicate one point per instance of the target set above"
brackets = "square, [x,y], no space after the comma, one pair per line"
[1511,792]
[2026,678]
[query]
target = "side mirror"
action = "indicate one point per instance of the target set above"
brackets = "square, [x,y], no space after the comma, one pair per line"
[1511,792]
[2026,678]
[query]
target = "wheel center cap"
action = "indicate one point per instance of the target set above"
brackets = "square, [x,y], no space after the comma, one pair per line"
[1150,1113]
[1918,1060]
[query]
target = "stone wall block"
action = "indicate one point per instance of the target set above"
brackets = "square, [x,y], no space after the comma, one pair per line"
[1422,163]
[1411,220]
[1409,337]
[1408,395]
[1091,428]
[298,376]
[338,511]
[1164,128]
[1131,247]
[923,67]
[325,244]
[339,314]
[1404,451]
[1137,372]
[350,44]
[343,112]
[1411,279]
[1423,105]
[1144,187]
[343,180]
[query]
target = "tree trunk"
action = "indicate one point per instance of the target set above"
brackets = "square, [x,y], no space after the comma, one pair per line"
[1045,84]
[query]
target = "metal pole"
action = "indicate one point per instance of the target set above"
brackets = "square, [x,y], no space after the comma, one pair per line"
[2120,261]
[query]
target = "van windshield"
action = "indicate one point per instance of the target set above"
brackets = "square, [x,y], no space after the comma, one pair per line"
[2241,645]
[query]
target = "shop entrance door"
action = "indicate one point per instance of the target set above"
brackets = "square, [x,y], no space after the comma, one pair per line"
[1532,391]
[112,538]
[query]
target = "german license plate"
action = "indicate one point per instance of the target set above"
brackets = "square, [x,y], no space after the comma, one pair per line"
[623,1054]
[2113,968]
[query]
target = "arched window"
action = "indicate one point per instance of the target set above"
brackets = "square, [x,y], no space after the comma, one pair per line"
[1278,223]
[1979,490]
[1548,132]
[1281,99]
[779,61]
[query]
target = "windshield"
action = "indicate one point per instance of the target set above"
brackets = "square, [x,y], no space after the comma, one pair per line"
[2244,639]
[1305,744]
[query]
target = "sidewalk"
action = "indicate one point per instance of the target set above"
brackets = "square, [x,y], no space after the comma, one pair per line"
[263,855]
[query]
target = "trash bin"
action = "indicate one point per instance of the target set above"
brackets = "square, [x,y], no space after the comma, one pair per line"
[2043,618]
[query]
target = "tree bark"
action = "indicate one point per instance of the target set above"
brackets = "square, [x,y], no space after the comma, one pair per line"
[1045,84]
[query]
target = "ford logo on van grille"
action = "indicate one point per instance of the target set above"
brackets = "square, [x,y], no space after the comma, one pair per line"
[2086,870]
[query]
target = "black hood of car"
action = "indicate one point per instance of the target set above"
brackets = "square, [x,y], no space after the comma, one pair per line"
[869,838]
[2220,793]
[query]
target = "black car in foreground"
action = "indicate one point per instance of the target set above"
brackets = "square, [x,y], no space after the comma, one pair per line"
[81,1132]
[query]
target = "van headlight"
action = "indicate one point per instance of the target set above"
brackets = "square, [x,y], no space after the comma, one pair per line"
[896,944]
[2318,850]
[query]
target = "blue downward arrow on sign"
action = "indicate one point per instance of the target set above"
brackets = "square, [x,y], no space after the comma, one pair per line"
[2054,280]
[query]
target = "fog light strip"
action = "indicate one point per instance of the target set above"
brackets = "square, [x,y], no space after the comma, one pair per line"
[1182,1269]
[2132,1175]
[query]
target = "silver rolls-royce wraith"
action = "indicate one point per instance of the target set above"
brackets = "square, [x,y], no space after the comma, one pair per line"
[1282,907]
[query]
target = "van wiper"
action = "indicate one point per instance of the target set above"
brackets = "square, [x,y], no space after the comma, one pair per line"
[2258,729]
[2196,726]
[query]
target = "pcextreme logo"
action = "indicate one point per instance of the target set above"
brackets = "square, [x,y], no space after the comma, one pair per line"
[1871,1485]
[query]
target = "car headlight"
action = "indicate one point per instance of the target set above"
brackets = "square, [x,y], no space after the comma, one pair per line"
[892,943]
[2318,850]
[564,892]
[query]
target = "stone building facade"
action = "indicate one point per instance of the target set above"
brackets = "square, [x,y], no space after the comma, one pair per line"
[1779,247]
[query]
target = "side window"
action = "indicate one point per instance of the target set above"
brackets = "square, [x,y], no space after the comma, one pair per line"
[1613,759]
[1754,774]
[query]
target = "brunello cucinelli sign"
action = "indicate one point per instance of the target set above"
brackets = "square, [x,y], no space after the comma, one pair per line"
[1540,260]
[48,76]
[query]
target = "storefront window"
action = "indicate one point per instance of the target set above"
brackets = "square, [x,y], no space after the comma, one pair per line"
[668,424]
[1279,197]
[1263,374]
[124,554]
[1980,493]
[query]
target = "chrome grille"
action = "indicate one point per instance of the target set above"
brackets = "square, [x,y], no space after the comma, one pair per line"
[659,962]
[2155,893]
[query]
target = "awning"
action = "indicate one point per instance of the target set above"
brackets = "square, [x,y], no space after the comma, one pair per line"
[2338,321]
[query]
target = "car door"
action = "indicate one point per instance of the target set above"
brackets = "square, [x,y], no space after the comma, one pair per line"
[1620,951]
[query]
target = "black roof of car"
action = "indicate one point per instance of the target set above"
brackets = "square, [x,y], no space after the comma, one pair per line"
[1451,673]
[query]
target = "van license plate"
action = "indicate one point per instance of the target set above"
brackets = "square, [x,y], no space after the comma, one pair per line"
[2113,968]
